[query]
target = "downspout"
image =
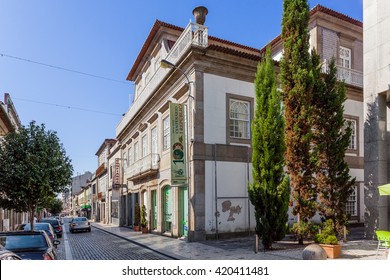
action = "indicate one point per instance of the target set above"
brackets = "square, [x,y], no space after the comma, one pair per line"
[247,184]
[215,189]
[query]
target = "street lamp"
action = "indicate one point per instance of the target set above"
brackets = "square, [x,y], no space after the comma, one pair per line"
[166,64]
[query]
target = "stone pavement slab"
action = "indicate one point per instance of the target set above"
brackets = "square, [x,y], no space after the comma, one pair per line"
[236,248]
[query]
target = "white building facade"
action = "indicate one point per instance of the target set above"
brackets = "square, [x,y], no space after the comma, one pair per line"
[214,79]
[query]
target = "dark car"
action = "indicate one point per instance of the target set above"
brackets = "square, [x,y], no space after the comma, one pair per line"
[43,226]
[6,255]
[29,245]
[56,224]
[79,224]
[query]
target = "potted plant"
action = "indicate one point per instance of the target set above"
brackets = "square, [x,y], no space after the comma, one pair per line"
[137,216]
[327,239]
[144,222]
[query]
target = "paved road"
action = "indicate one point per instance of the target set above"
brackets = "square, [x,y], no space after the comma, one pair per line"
[99,245]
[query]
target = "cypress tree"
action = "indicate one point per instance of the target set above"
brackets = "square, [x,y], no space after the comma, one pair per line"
[297,86]
[270,190]
[331,137]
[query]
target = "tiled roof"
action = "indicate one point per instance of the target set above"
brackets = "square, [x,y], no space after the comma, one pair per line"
[316,9]
[320,8]
[228,46]
[158,24]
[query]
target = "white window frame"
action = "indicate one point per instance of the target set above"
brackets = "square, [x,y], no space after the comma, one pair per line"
[144,143]
[166,133]
[136,151]
[351,207]
[153,140]
[353,144]
[239,121]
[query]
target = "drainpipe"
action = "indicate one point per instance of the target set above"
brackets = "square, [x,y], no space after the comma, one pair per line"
[249,202]
[215,189]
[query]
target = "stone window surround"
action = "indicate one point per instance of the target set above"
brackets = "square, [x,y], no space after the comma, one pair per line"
[229,139]
[356,119]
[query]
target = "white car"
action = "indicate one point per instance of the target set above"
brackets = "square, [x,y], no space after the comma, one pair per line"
[79,224]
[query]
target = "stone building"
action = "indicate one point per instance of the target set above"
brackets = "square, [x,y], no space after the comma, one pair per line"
[205,98]
[9,121]
[376,15]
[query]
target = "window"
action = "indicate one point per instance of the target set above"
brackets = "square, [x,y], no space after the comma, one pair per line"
[153,134]
[345,63]
[144,146]
[130,154]
[239,119]
[136,157]
[353,139]
[351,207]
[166,134]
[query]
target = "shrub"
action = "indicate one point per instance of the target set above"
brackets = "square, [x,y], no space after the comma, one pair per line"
[327,235]
[304,230]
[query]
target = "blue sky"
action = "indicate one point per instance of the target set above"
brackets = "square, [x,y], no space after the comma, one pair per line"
[103,38]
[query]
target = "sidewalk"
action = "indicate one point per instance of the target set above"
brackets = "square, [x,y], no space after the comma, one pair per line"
[236,248]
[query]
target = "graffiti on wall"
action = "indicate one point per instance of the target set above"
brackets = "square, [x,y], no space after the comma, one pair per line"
[227,207]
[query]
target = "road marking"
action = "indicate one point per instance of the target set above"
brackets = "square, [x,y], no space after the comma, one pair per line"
[68,253]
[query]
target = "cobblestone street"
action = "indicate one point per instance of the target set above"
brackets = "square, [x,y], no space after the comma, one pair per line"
[99,245]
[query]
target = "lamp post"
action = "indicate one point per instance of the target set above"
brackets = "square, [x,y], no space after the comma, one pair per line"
[166,64]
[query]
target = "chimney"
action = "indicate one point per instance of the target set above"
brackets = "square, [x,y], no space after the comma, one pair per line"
[200,14]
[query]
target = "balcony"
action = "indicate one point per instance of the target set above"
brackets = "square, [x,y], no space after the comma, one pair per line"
[350,76]
[346,75]
[194,35]
[147,165]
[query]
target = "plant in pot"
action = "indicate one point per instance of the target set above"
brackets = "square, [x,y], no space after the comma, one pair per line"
[327,239]
[144,222]
[137,216]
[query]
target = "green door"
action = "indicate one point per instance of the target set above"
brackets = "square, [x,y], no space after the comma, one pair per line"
[183,211]
[167,213]
[154,210]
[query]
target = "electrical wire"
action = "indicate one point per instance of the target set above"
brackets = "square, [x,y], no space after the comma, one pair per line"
[62,68]
[65,106]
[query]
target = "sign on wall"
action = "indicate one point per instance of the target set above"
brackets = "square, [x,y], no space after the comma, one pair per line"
[178,145]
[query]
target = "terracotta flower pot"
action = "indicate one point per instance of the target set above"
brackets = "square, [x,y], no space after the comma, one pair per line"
[332,251]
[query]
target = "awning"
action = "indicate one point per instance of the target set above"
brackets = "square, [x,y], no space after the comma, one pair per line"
[86,206]
[384,189]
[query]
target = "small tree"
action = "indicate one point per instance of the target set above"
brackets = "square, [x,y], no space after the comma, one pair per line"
[330,142]
[270,192]
[297,86]
[137,215]
[33,167]
[53,204]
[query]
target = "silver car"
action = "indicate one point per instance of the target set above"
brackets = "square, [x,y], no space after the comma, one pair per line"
[79,224]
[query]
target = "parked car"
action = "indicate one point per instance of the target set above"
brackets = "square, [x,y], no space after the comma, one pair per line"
[79,224]
[20,226]
[6,255]
[30,245]
[43,226]
[56,224]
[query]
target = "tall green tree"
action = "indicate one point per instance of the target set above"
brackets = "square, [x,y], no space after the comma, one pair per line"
[270,191]
[53,204]
[34,166]
[330,142]
[297,86]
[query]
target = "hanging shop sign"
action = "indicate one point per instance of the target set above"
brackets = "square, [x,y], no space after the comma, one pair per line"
[178,145]
[117,182]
